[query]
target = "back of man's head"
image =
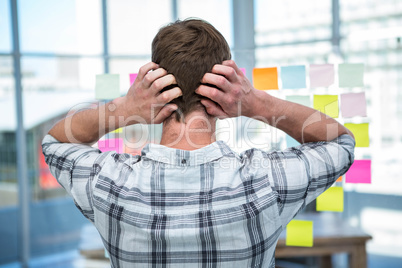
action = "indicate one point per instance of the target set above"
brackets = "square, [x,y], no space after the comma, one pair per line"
[188,49]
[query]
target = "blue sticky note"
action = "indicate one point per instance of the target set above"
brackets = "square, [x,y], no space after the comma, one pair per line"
[290,142]
[293,77]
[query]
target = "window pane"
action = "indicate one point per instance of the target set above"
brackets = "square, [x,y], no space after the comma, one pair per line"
[134,23]
[8,165]
[317,52]
[60,74]
[52,86]
[292,21]
[8,151]
[216,12]
[60,26]
[372,36]
[5,26]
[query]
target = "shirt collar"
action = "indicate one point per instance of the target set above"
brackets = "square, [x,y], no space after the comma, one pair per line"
[179,157]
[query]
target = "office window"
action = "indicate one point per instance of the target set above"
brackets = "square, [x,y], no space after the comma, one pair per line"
[372,34]
[60,74]
[132,24]
[5,26]
[289,21]
[8,124]
[72,27]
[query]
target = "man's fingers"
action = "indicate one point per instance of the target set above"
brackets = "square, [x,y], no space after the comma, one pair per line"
[228,71]
[145,69]
[164,113]
[233,65]
[153,76]
[211,93]
[216,80]
[213,109]
[169,95]
[163,82]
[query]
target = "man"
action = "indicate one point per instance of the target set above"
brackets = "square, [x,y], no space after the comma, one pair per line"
[191,201]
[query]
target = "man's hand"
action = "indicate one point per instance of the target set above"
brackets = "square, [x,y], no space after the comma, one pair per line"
[236,96]
[144,99]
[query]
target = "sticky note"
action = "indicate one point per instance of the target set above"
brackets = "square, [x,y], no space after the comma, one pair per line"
[359,172]
[321,75]
[351,74]
[331,200]
[303,100]
[293,77]
[111,145]
[361,133]
[119,130]
[353,104]
[290,142]
[265,78]
[299,233]
[339,179]
[243,70]
[132,78]
[327,104]
[107,86]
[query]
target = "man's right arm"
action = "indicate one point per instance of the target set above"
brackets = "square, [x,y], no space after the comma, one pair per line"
[299,175]
[237,97]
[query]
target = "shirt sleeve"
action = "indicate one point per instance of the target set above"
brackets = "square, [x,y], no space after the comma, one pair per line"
[75,167]
[300,174]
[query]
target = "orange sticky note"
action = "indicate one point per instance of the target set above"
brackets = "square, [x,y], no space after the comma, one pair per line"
[265,78]
[339,179]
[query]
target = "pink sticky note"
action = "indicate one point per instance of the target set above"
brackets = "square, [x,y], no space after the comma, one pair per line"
[321,75]
[353,104]
[243,70]
[111,145]
[132,78]
[359,172]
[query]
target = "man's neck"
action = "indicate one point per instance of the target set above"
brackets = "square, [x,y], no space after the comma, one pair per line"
[197,131]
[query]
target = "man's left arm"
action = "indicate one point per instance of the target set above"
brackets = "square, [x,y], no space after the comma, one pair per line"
[143,104]
[76,165]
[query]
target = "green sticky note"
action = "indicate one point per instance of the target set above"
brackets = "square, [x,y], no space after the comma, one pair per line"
[303,100]
[331,200]
[361,133]
[327,104]
[107,86]
[351,74]
[299,233]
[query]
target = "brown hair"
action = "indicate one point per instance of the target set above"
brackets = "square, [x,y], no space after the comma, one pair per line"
[188,49]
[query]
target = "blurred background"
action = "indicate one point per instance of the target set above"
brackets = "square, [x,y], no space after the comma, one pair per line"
[50,52]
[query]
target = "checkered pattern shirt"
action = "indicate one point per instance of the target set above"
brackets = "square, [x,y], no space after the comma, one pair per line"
[209,207]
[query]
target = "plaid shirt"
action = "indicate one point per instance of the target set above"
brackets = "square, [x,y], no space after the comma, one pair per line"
[209,207]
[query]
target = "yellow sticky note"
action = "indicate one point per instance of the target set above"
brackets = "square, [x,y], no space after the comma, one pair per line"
[327,104]
[299,233]
[119,130]
[265,78]
[331,200]
[361,133]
